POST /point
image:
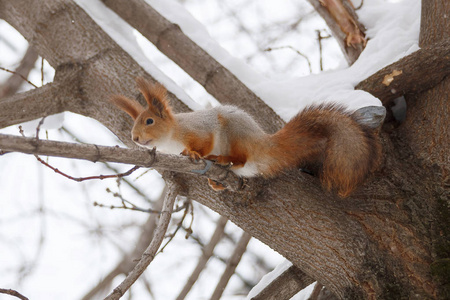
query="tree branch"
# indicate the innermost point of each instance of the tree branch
(344, 25)
(217, 80)
(285, 286)
(13, 293)
(150, 252)
(31, 105)
(412, 74)
(127, 263)
(94, 153)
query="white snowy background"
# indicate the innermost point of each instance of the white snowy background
(54, 244)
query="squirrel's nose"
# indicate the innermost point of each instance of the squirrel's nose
(136, 139)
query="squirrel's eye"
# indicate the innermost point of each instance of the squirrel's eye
(149, 121)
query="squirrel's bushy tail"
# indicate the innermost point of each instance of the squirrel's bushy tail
(329, 141)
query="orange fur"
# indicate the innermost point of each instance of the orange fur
(328, 141)
(133, 108)
(194, 143)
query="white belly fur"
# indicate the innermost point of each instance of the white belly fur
(250, 169)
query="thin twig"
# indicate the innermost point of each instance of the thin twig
(77, 179)
(80, 179)
(14, 82)
(42, 71)
(180, 224)
(293, 49)
(13, 293)
(149, 253)
(133, 206)
(319, 39)
(21, 76)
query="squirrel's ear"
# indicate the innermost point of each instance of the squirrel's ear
(131, 107)
(156, 97)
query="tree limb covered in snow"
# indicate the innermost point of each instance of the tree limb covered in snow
(412, 74)
(286, 285)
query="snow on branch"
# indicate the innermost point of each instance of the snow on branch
(414, 73)
(285, 286)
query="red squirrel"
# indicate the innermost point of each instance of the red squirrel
(323, 138)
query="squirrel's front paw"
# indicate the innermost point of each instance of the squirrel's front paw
(193, 155)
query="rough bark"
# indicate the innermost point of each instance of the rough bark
(426, 131)
(344, 25)
(379, 243)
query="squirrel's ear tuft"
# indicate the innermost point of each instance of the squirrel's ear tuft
(156, 97)
(131, 107)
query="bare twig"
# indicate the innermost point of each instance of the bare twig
(12, 85)
(231, 265)
(77, 179)
(150, 252)
(80, 179)
(186, 206)
(20, 75)
(293, 49)
(42, 71)
(13, 293)
(207, 253)
(126, 205)
(127, 263)
(360, 5)
(319, 39)
(143, 158)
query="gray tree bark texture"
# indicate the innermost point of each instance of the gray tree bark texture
(389, 240)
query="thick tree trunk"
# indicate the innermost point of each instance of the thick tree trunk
(378, 244)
